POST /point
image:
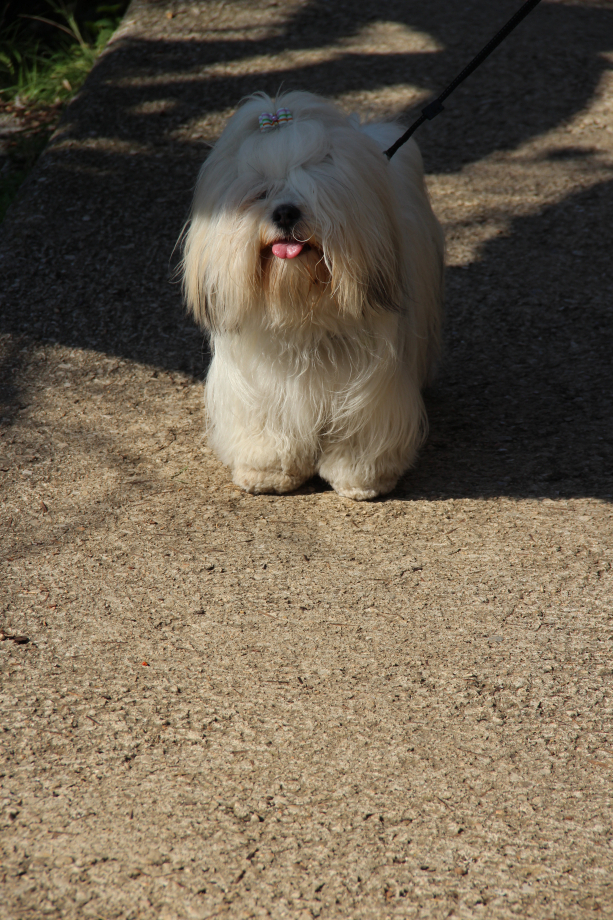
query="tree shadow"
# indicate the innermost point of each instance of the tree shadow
(524, 403)
(544, 73)
(538, 78)
(90, 266)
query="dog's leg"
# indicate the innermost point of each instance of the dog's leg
(259, 434)
(276, 480)
(378, 444)
(258, 461)
(350, 478)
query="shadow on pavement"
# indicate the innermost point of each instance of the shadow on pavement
(524, 402)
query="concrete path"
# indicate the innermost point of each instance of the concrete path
(295, 707)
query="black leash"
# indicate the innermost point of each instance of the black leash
(436, 107)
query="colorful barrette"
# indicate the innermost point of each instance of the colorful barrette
(269, 120)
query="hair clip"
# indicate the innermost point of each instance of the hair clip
(269, 120)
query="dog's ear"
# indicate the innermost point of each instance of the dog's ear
(199, 290)
(203, 313)
(193, 283)
(382, 291)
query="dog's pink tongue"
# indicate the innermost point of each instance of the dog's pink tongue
(287, 250)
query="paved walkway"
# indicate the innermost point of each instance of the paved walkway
(295, 707)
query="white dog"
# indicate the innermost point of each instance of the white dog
(316, 264)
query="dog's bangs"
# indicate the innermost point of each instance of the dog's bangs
(275, 153)
(245, 190)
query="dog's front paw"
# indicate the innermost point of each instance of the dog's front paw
(354, 492)
(362, 491)
(263, 481)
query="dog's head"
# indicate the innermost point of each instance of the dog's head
(293, 219)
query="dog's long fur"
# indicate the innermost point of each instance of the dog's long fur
(317, 360)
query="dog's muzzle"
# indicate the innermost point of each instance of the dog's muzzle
(286, 216)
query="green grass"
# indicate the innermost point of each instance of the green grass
(47, 48)
(49, 66)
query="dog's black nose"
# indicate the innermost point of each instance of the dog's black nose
(286, 216)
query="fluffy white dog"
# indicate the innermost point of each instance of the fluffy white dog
(316, 264)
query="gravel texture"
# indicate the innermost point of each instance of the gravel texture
(296, 707)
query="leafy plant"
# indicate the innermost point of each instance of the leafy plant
(47, 48)
(47, 65)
